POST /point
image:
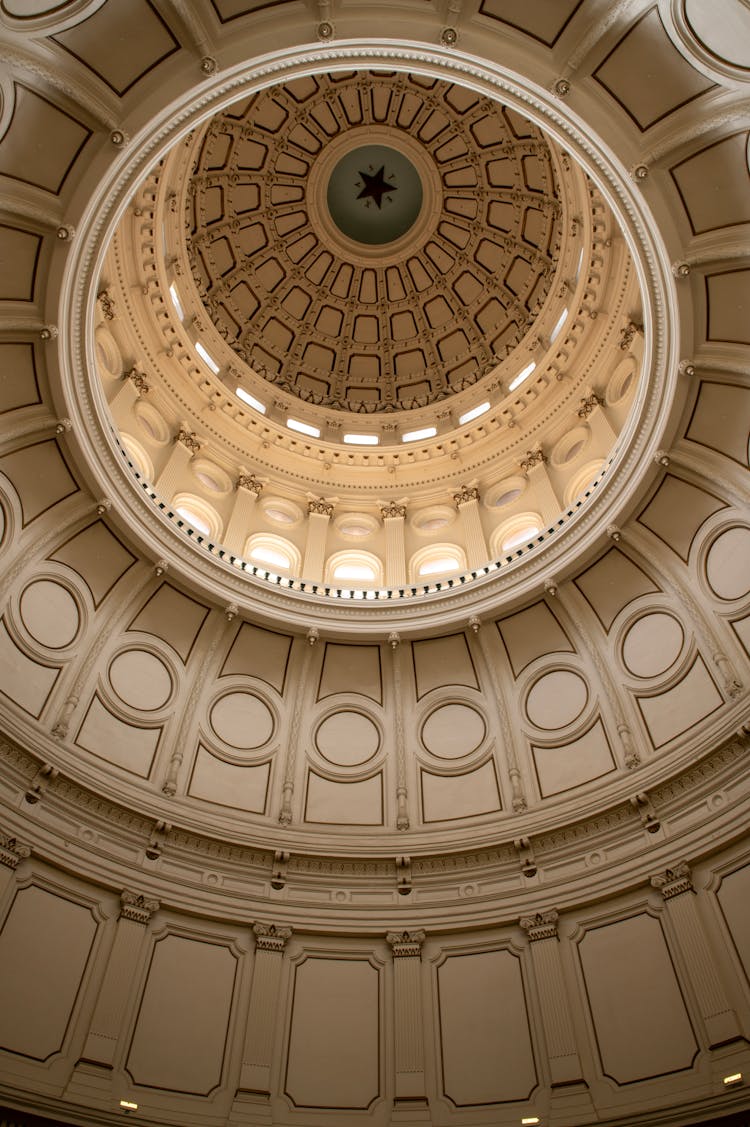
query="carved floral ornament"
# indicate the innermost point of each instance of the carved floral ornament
(541, 926)
(250, 482)
(322, 508)
(269, 937)
(136, 907)
(189, 439)
(533, 458)
(675, 881)
(406, 944)
(466, 494)
(12, 851)
(392, 511)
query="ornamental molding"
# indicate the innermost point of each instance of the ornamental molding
(393, 511)
(322, 508)
(136, 907)
(466, 494)
(250, 482)
(188, 438)
(533, 458)
(673, 882)
(269, 937)
(138, 380)
(589, 404)
(406, 944)
(12, 851)
(541, 926)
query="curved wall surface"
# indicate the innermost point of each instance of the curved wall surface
(473, 855)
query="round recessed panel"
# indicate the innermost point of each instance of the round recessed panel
(50, 614)
(726, 565)
(374, 194)
(556, 699)
(453, 731)
(652, 645)
(242, 720)
(347, 738)
(141, 680)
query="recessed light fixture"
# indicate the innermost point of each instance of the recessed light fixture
(361, 439)
(416, 435)
(303, 428)
(474, 413)
(530, 1119)
(128, 1105)
(250, 400)
(522, 376)
(206, 357)
(735, 1078)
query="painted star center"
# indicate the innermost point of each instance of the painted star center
(375, 186)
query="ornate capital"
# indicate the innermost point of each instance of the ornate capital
(627, 335)
(12, 851)
(406, 944)
(137, 908)
(323, 508)
(107, 304)
(269, 937)
(673, 882)
(466, 494)
(138, 380)
(392, 510)
(250, 482)
(188, 438)
(541, 926)
(588, 404)
(533, 458)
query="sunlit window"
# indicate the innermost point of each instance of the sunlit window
(206, 357)
(417, 435)
(474, 413)
(250, 400)
(524, 375)
(303, 428)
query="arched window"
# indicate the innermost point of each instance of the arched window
(437, 562)
(138, 456)
(354, 569)
(515, 533)
(273, 553)
(198, 513)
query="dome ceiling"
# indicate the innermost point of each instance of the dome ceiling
(372, 241)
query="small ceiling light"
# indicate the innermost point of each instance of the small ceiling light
(530, 1119)
(735, 1078)
(361, 439)
(250, 400)
(206, 357)
(474, 413)
(176, 301)
(522, 376)
(128, 1105)
(416, 435)
(303, 428)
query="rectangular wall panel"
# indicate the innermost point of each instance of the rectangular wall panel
(334, 1036)
(640, 1020)
(487, 1055)
(45, 945)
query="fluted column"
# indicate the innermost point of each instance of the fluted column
(467, 503)
(11, 852)
(319, 517)
(564, 1062)
(240, 522)
(534, 466)
(185, 446)
(676, 887)
(254, 1088)
(409, 1088)
(117, 986)
(395, 547)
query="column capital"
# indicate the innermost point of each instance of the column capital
(269, 937)
(137, 907)
(188, 438)
(541, 926)
(673, 882)
(250, 482)
(406, 944)
(533, 458)
(12, 851)
(321, 507)
(465, 494)
(392, 511)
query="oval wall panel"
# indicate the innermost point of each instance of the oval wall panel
(50, 614)
(556, 699)
(347, 738)
(453, 730)
(242, 720)
(141, 680)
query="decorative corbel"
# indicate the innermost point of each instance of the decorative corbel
(278, 871)
(44, 776)
(644, 808)
(403, 875)
(526, 858)
(157, 839)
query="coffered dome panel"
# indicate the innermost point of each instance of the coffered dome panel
(372, 241)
